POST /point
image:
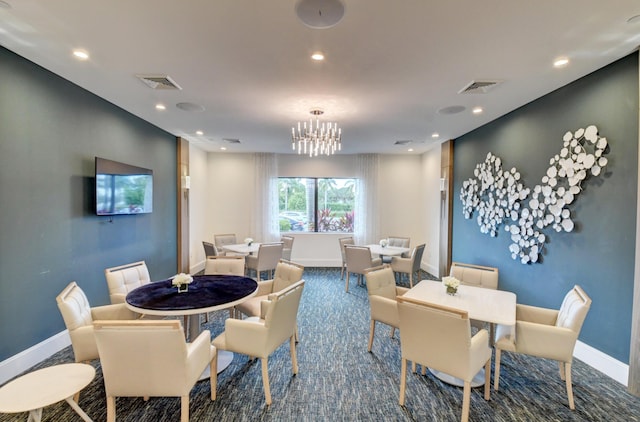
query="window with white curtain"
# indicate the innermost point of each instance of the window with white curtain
(316, 204)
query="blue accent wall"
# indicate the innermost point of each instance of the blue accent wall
(50, 132)
(599, 254)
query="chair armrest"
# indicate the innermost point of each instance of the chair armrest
(199, 354)
(110, 312)
(248, 337)
(536, 314)
(546, 341)
(401, 290)
(385, 310)
(479, 351)
(264, 288)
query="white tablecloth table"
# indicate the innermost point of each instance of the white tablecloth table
(242, 248)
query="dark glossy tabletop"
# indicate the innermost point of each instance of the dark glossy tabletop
(206, 293)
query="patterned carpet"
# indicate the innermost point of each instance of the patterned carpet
(340, 381)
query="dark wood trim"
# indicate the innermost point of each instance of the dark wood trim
(446, 206)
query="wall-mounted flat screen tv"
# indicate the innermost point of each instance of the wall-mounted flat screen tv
(122, 189)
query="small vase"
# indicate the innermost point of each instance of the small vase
(182, 288)
(452, 290)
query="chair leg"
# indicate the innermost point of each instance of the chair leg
(346, 289)
(466, 399)
(111, 409)
(561, 367)
(567, 375)
(342, 272)
(184, 408)
(496, 373)
(487, 379)
(411, 279)
(393, 331)
(403, 379)
(424, 370)
(294, 357)
(413, 366)
(372, 329)
(213, 376)
(265, 380)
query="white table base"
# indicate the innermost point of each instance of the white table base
(477, 381)
(224, 360)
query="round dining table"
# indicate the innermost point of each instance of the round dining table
(206, 293)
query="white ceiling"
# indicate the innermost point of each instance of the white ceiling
(389, 66)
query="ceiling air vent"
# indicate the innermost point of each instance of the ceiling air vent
(403, 142)
(479, 87)
(231, 140)
(158, 81)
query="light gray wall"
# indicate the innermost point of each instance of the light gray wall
(599, 254)
(50, 133)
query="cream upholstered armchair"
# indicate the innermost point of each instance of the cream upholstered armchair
(261, 336)
(440, 338)
(409, 266)
(224, 265)
(209, 249)
(546, 333)
(124, 278)
(287, 248)
(79, 316)
(382, 289)
(221, 240)
(268, 256)
(402, 242)
(286, 274)
(170, 370)
(343, 241)
(358, 260)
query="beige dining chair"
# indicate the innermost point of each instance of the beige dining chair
(287, 249)
(224, 265)
(440, 338)
(221, 240)
(409, 266)
(383, 305)
(78, 316)
(209, 249)
(260, 336)
(477, 276)
(152, 359)
(344, 241)
(124, 278)
(267, 258)
(546, 333)
(358, 260)
(398, 241)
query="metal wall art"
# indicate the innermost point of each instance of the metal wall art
(499, 196)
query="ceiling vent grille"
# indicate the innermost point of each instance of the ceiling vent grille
(158, 81)
(479, 87)
(403, 142)
(231, 140)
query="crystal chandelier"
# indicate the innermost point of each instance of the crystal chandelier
(316, 138)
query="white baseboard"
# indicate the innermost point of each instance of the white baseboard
(24, 360)
(602, 362)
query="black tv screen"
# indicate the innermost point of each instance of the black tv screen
(122, 189)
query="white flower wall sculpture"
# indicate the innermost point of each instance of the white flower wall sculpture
(498, 195)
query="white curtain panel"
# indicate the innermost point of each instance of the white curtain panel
(265, 223)
(366, 216)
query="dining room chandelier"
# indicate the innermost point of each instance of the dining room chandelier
(316, 138)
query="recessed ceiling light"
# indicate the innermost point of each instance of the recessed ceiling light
(410, 150)
(199, 132)
(435, 135)
(81, 54)
(160, 107)
(561, 62)
(223, 148)
(317, 56)
(477, 110)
